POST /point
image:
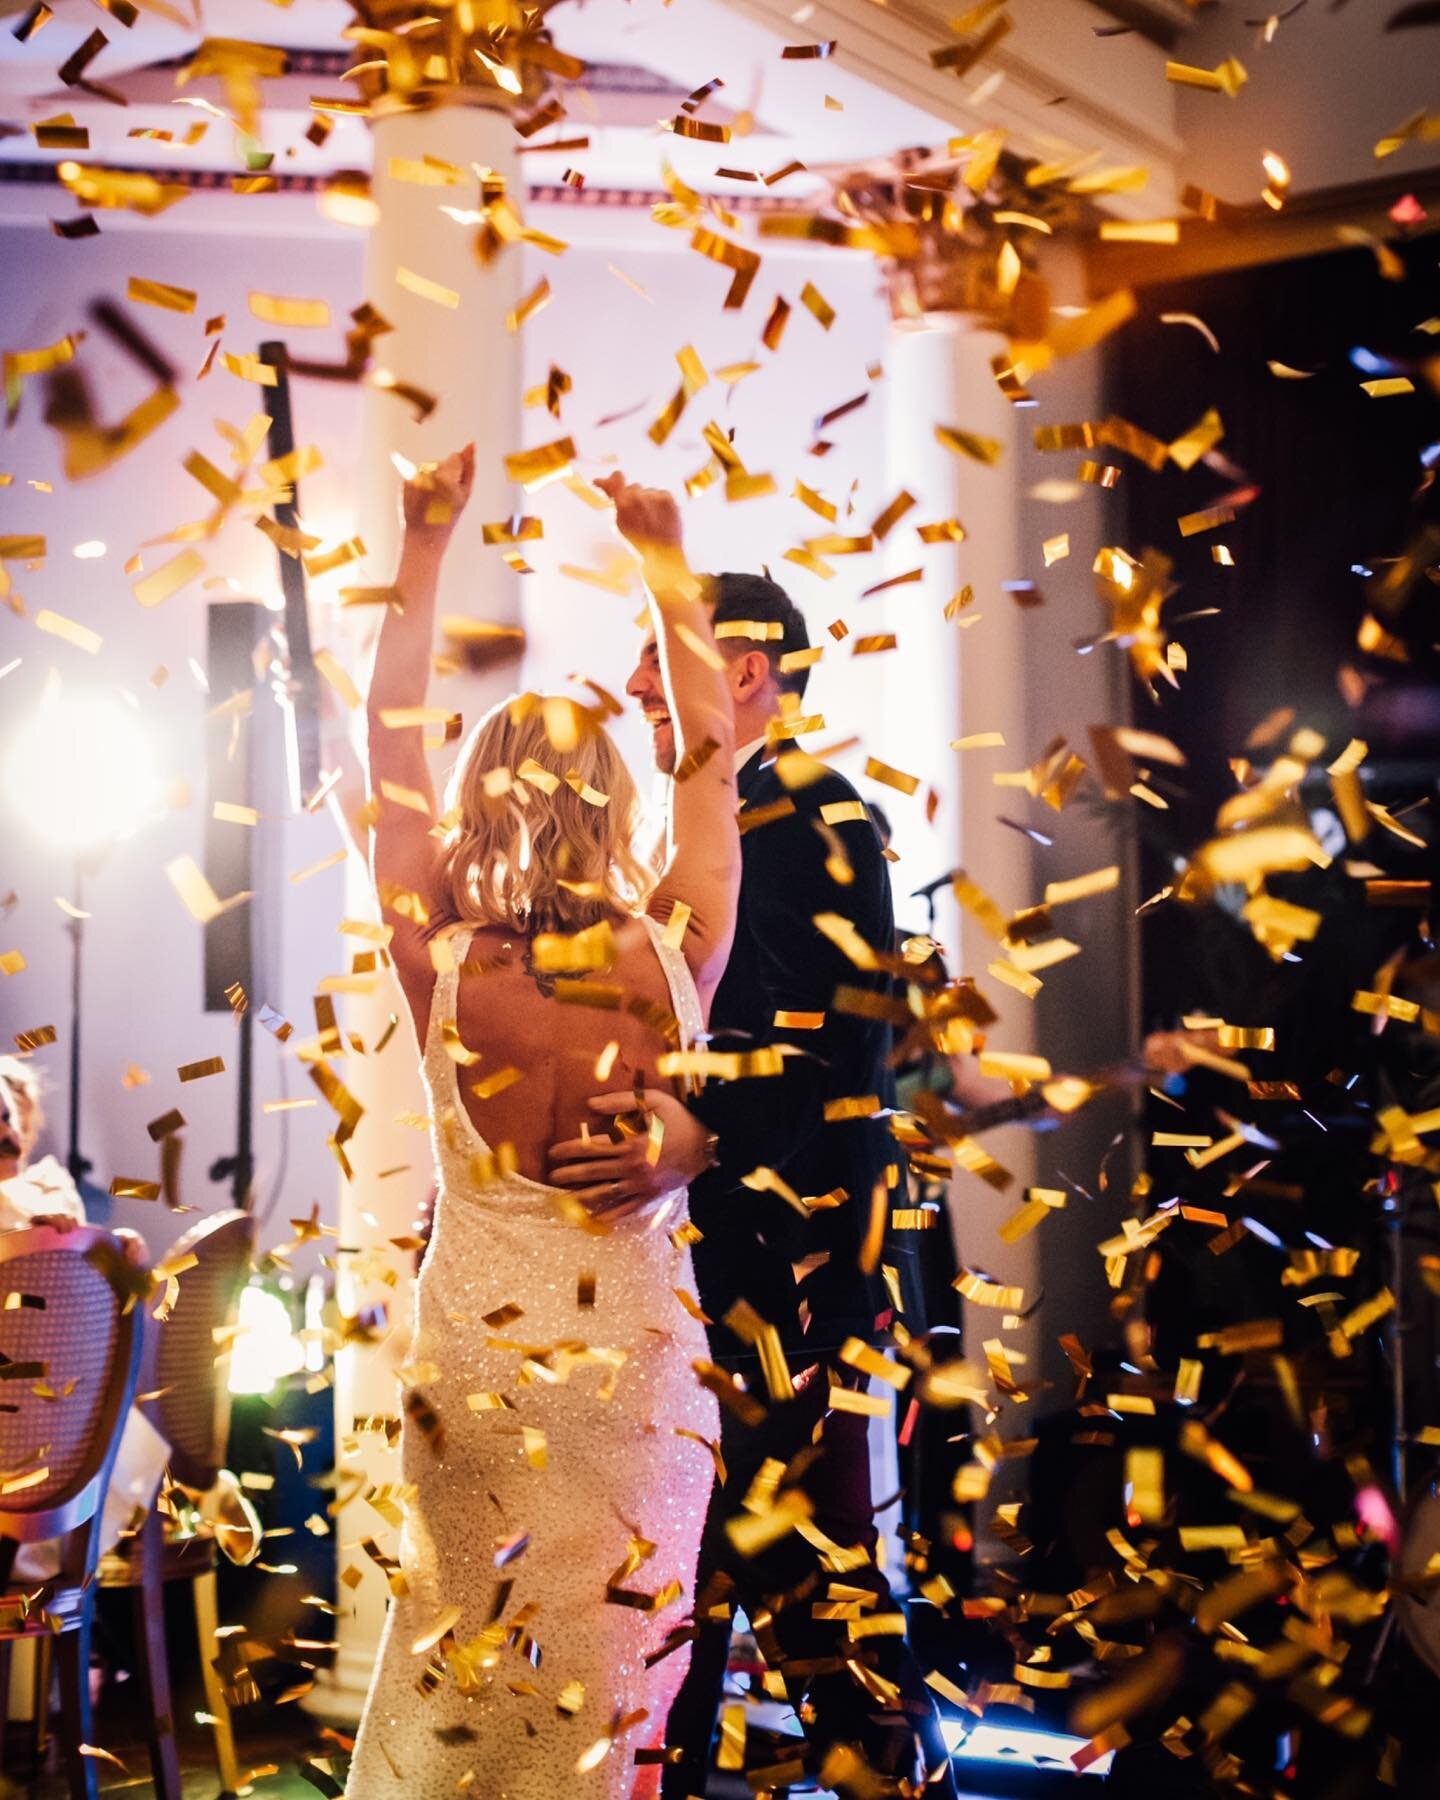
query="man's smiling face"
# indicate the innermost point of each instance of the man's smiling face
(646, 687)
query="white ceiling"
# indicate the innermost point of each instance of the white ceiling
(668, 50)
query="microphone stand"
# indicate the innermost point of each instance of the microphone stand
(76, 1162)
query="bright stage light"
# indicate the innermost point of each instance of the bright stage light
(80, 773)
(1018, 1746)
(266, 1348)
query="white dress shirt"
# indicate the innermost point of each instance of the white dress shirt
(746, 751)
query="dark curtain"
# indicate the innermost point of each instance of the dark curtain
(1339, 474)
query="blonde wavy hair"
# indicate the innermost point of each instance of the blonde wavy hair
(541, 817)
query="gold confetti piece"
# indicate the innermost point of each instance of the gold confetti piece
(533, 468)
(1014, 1065)
(851, 1400)
(332, 861)
(161, 294)
(1081, 887)
(859, 1355)
(125, 1187)
(857, 1106)
(454, 1048)
(539, 297)
(968, 443)
(21, 549)
(197, 1071)
(424, 288)
(34, 22)
(1202, 436)
(976, 1288)
(1055, 549)
(280, 309)
(875, 770)
(442, 1627)
(1387, 385)
(489, 1403)
(12, 962)
(1235, 1340)
(1227, 77)
(201, 900)
(168, 580)
(338, 678)
(742, 262)
(496, 1083)
(61, 133)
(815, 302)
(1140, 231)
(250, 368)
(79, 635)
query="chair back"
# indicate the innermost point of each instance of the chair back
(72, 1323)
(193, 1410)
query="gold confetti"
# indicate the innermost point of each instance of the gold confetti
(969, 443)
(815, 302)
(161, 294)
(197, 1071)
(250, 368)
(424, 288)
(1227, 77)
(278, 309)
(875, 770)
(533, 468)
(168, 580)
(66, 629)
(201, 900)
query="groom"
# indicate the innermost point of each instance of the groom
(809, 848)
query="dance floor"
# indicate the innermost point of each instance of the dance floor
(282, 1754)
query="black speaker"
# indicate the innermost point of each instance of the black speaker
(235, 759)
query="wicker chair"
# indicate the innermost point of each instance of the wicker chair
(193, 1412)
(71, 1323)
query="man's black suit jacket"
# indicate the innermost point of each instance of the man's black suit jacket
(780, 963)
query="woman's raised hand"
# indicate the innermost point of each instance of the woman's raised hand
(436, 495)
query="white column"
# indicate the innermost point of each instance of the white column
(464, 356)
(953, 678)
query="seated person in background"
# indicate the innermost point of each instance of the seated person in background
(41, 1193)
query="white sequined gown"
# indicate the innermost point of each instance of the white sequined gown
(584, 1460)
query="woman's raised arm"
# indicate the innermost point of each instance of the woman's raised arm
(402, 796)
(703, 872)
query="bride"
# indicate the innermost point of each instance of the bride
(559, 1464)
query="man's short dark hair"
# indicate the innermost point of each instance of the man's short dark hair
(736, 597)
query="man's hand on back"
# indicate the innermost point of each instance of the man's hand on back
(612, 1179)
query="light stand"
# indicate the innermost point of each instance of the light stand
(78, 1165)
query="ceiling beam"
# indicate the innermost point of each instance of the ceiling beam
(1251, 236)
